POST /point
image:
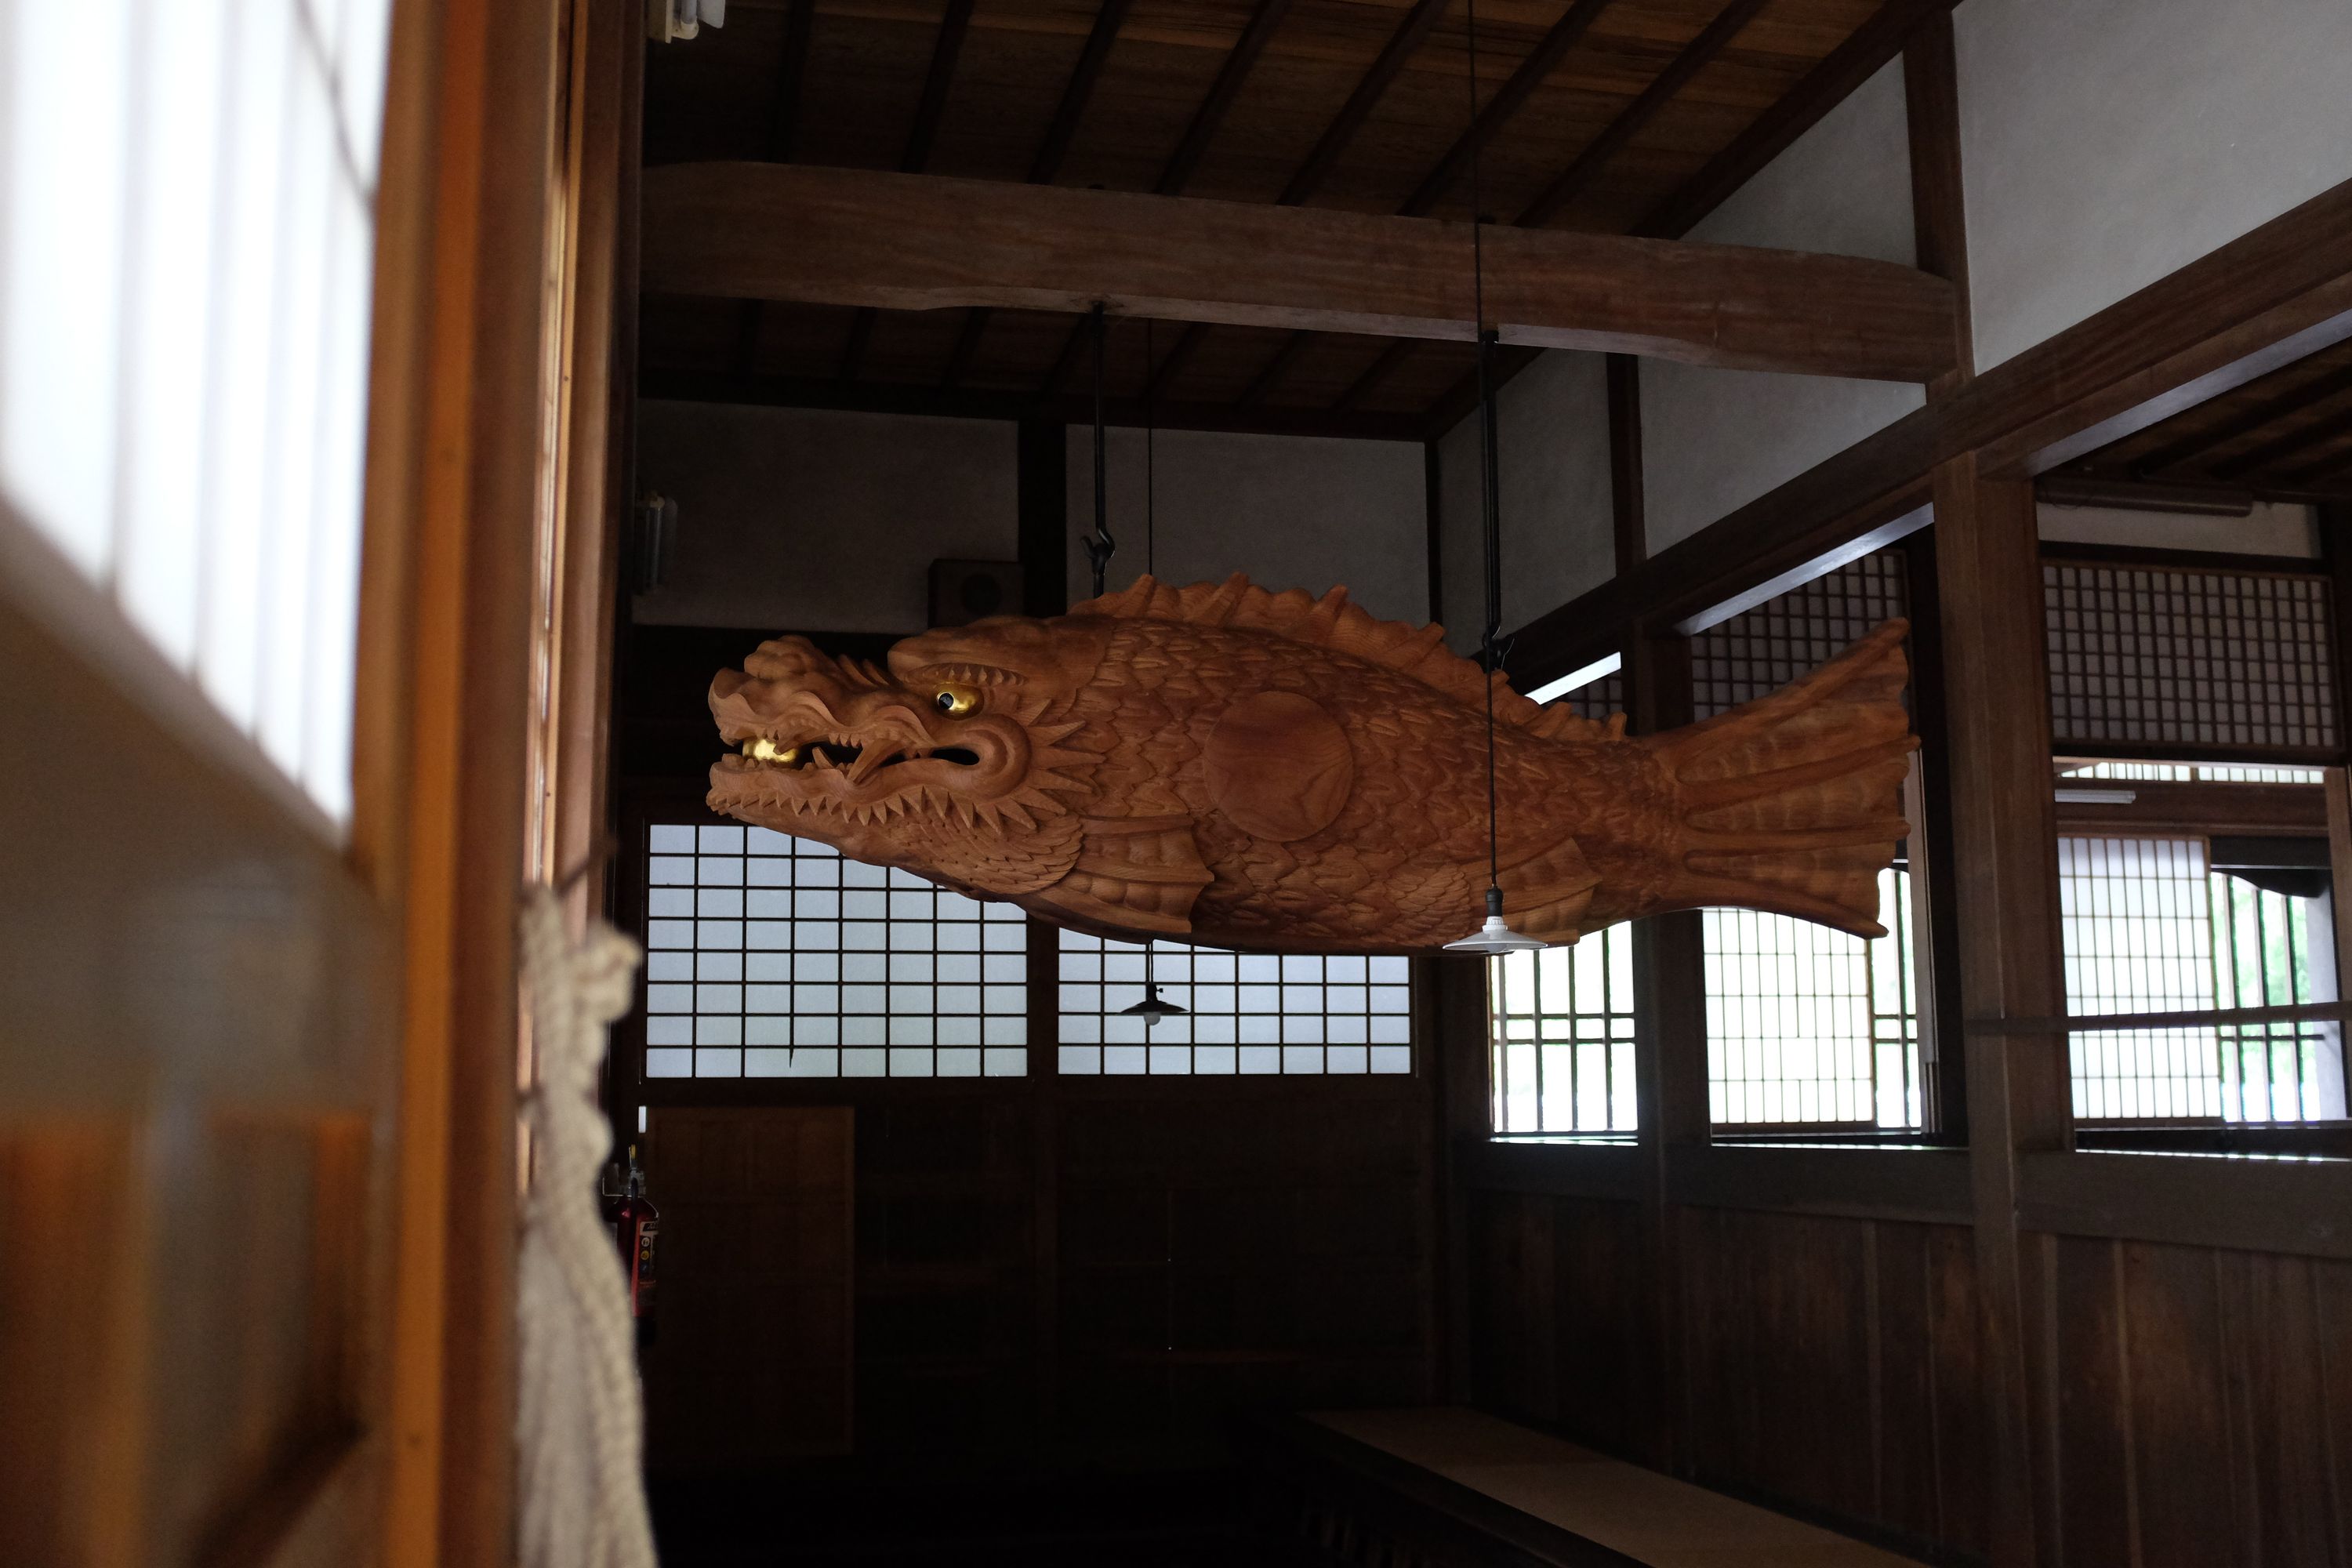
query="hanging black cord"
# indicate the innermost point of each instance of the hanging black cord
(1150, 553)
(1101, 545)
(1490, 511)
(1150, 530)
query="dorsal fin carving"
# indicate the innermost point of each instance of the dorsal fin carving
(1335, 622)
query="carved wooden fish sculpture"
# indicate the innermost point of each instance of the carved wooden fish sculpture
(1280, 772)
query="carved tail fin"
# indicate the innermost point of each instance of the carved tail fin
(1793, 802)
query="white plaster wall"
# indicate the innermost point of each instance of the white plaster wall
(1292, 512)
(1461, 561)
(2274, 529)
(2105, 143)
(1558, 539)
(1713, 440)
(816, 521)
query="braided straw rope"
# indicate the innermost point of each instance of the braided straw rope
(580, 1422)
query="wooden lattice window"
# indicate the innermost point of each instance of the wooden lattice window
(2150, 927)
(770, 956)
(2164, 658)
(1563, 1032)
(1244, 1013)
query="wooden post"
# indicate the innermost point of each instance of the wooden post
(1940, 243)
(1432, 511)
(2004, 890)
(1938, 208)
(1455, 1032)
(1628, 517)
(1942, 1033)
(1669, 1066)
(1669, 958)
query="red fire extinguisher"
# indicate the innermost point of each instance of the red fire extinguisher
(636, 1225)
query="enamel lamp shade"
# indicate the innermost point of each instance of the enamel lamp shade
(1152, 1008)
(1494, 937)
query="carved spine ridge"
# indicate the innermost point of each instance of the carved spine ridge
(1337, 623)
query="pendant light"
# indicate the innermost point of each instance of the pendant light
(1494, 936)
(1154, 1007)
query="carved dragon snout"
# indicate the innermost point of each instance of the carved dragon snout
(817, 734)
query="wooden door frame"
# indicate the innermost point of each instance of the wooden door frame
(499, 233)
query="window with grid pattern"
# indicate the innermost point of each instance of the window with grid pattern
(1244, 1012)
(1560, 1022)
(1761, 650)
(2190, 772)
(2150, 928)
(1598, 698)
(1562, 1032)
(2171, 655)
(1806, 1026)
(770, 956)
(187, 195)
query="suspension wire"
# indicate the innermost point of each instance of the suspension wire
(1150, 531)
(1101, 545)
(1150, 553)
(1490, 512)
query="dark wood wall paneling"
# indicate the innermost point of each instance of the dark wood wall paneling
(1055, 1276)
(2202, 1397)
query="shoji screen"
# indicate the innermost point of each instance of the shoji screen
(186, 241)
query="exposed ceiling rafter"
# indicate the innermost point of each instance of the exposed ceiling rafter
(918, 242)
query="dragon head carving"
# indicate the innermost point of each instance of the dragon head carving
(949, 763)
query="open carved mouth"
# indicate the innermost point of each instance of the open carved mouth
(849, 756)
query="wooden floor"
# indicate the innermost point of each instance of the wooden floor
(1647, 1516)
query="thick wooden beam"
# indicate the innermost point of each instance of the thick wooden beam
(2275, 295)
(2246, 1203)
(1177, 172)
(1908, 1183)
(1076, 93)
(783, 141)
(1822, 89)
(928, 112)
(878, 397)
(1401, 45)
(912, 242)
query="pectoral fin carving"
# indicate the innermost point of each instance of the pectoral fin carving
(1136, 873)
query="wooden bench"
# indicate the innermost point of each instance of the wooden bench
(1541, 1500)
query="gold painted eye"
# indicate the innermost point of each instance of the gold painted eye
(956, 700)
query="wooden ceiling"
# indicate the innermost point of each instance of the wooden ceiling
(1616, 115)
(2285, 436)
